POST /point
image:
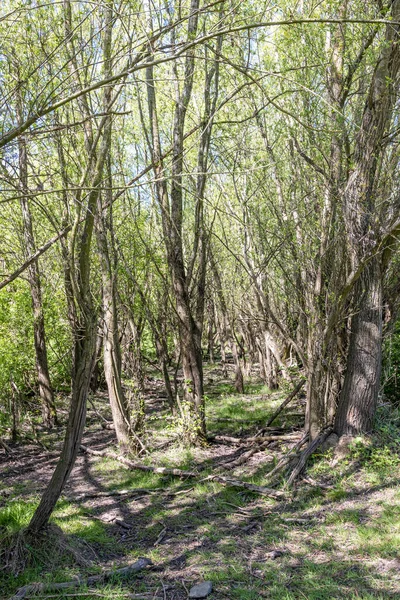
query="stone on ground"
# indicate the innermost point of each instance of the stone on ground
(201, 590)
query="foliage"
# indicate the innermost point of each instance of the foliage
(391, 366)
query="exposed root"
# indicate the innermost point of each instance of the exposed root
(5, 447)
(18, 550)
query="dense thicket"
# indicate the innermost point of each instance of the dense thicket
(187, 181)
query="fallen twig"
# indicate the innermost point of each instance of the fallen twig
(318, 484)
(34, 588)
(106, 494)
(285, 460)
(161, 536)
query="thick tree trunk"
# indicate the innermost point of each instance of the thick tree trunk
(359, 395)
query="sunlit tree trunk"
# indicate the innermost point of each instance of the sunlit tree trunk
(84, 332)
(359, 396)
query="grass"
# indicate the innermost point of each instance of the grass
(344, 545)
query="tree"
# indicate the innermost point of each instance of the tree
(359, 396)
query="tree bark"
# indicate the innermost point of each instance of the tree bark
(111, 344)
(359, 396)
(84, 353)
(84, 332)
(190, 320)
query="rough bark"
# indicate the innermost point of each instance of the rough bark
(111, 341)
(359, 396)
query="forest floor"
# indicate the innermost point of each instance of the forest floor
(336, 535)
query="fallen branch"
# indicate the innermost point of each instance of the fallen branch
(241, 459)
(292, 395)
(285, 460)
(165, 444)
(305, 455)
(264, 491)
(5, 446)
(110, 493)
(254, 440)
(180, 473)
(317, 484)
(34, 588)
(141, 467)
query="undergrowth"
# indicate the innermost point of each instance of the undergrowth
(336, 537)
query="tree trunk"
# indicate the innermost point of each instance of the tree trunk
(190, 321)
(49, 414)
(85, 327)
(96, 374)
(359, 395)
(192, 365)
(162, 356)
(84, 352)
(111, 348)
(239, 380)
(111, 344)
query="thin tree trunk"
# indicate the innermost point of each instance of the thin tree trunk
(111, 345)
(49, 414)
(84, 353)
(190, 322)
(96, 374)
(227, 335)
(84, 336)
